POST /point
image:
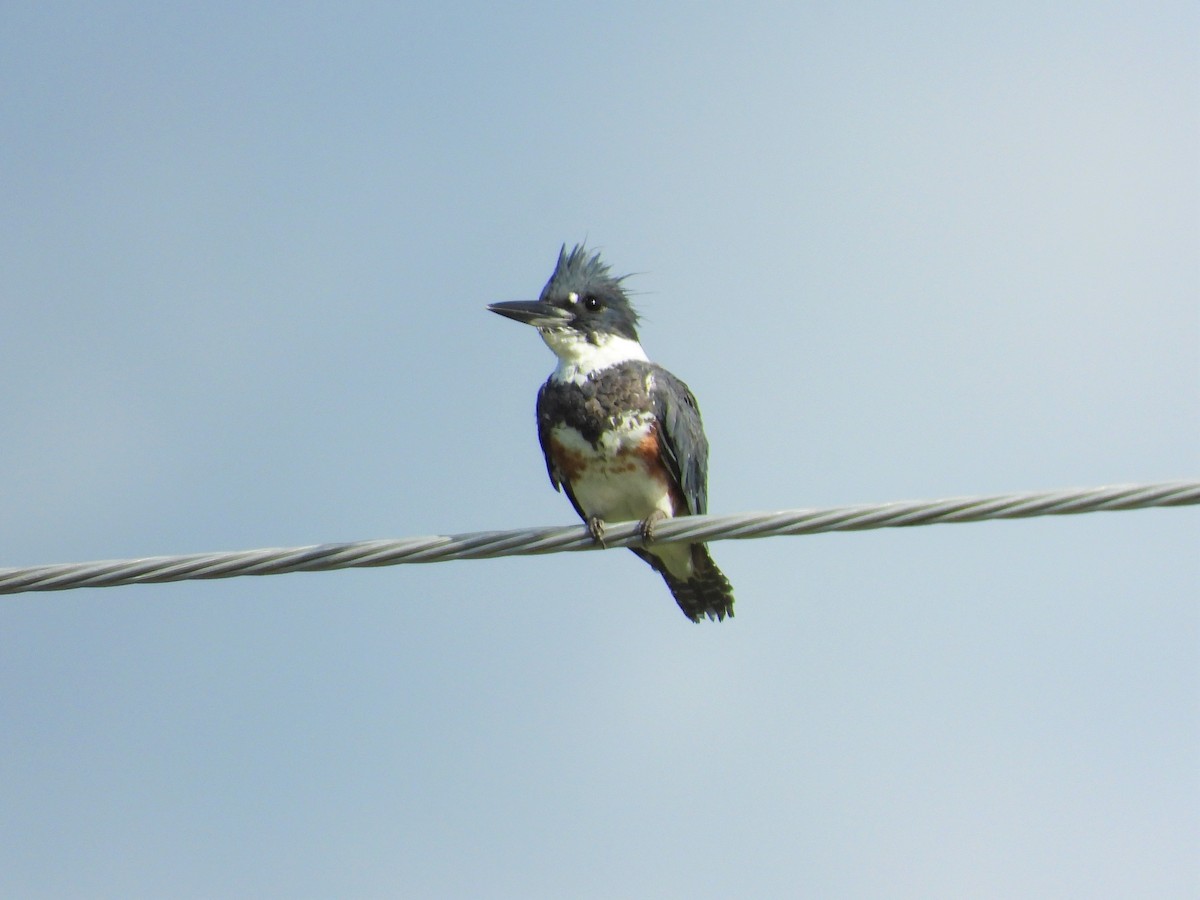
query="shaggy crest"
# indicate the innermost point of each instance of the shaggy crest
(582, 273)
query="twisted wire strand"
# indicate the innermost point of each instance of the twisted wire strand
(690, 529)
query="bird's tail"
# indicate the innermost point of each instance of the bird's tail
(707, 593)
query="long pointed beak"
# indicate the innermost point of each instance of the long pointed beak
(537, 313)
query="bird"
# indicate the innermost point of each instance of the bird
(621, 435)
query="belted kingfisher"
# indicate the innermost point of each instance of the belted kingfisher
(622, 435)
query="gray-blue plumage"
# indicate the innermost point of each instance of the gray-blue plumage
(621, 435)
(586, 274)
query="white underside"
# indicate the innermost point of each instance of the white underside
(618, 488)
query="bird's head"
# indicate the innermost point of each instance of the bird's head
(583, 313)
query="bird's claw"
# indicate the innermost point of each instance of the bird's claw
(595, 527)
(649, 525)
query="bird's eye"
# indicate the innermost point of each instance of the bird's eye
(591, 302)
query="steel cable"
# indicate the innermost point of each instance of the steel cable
(690, 529)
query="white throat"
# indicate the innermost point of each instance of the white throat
(579, 358)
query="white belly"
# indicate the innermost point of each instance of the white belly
(621, 492)
(612, 481)
(615, 484)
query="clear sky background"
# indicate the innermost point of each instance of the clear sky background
(898, 251)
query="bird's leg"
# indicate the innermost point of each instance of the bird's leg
(595, 527)
(648, 524)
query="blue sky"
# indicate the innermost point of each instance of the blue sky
(897, 251)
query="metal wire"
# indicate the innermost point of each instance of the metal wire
(690, 529)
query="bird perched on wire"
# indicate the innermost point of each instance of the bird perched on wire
(621, 435)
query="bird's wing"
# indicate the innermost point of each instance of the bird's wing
(543, 425)
(682, 444)
(556, 477)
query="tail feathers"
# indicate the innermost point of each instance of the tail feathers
(707, 593)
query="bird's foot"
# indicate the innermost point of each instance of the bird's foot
(649, 524)
(595, 527)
